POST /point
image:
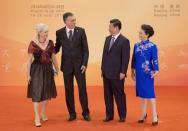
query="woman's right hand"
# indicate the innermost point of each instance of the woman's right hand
(133, 75)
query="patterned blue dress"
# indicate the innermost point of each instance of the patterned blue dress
(145, 63)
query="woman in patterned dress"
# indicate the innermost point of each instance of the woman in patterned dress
(41, 84)
(144, 69)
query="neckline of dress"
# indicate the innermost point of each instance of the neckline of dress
(144, 42)
(40, 47)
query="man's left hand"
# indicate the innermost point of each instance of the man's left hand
(122, 76)
(83, 69)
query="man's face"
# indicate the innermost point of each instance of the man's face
(113, 30)
(70, 22)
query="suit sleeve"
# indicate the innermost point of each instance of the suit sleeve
(58, 43)
(125, 57)
(103, 53)
(85, 49)
(133, 59)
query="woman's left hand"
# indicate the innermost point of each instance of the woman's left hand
(154, 74)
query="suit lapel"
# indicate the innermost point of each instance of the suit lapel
(115, 43)
(65, 33)
(107, 44)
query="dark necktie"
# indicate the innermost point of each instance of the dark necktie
(111, 42)
(70, 35)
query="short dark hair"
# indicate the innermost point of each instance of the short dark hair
(66, 15)
(148, 30)
(116, 23)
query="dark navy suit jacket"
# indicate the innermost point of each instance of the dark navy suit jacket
(115, 60)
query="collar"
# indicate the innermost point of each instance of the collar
(68, 29)
(116, 36)
(144, 41)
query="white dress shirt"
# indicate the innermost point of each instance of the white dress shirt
(67, 31)
(116, 36)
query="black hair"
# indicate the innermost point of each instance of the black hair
(116, 23)
(148, 30)
(66, 15)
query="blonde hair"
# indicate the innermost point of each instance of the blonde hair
(41, 27)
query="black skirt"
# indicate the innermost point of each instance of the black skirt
(42, 85)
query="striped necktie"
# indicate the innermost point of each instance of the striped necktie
(111, 42)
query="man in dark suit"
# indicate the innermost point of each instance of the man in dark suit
(115, 61)
(73, 42)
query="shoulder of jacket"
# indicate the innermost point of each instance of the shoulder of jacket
(79, 28)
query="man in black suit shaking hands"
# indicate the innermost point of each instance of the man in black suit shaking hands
(115, 61)
(73, 42)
